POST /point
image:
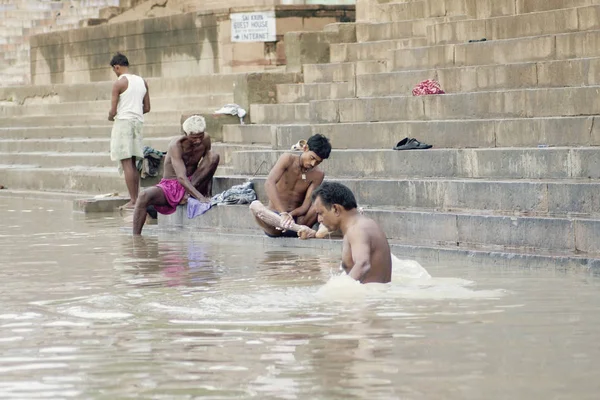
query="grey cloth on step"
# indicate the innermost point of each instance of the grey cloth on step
(238, 194)
(150, 164)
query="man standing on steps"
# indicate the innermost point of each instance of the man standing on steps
(130, 101)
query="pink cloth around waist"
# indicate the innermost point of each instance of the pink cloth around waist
(174, 193)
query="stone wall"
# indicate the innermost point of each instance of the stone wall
(194, 43)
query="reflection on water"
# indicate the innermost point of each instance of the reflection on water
(88, 312)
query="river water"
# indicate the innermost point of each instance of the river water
(87, 312)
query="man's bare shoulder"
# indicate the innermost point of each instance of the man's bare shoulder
(175, 143)
(364, 227)
(286, 158)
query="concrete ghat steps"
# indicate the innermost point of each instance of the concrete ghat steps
(304, 92)
(59, 154)
(342, 72)
(347, 52)
(82, 131)
(159, 87)
(500, 163)
(500, 197)
(76, 179)
(279, 113)
(543, 74)
(529, 6)
(498, 52)
(564, 236)
(102, 106)
(471, 133)
(514, 26)
(527, 103)
(370, 32)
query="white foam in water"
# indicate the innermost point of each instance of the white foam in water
(409, 281)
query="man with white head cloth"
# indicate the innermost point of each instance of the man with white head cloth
(188, 171)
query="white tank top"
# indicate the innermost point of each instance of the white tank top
(131, 101)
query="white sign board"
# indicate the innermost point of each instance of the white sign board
(253, 27)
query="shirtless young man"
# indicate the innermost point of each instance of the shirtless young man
(366, 253)
(188, 171)
(289, 187)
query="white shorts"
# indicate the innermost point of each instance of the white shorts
(126, 139)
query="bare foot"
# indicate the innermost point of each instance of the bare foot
(306, 233)
(322, 232)
(185, 198)
(127, 206)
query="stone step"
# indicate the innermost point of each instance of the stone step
(477, 133)
(558, 235)
(74, 179)
(342, 72)
(159, 87)
(499, 52)
(98, 154)
(295, 113)
(526, 103)
(530, 6)
(398, 11)
(154, 117)
(379, 50)
(101, 107)
(83, 131)
(515, 26)
(497, 163)
(512, 197)
(370, 32)
(563, 73)
(80, 145)
(304, 92)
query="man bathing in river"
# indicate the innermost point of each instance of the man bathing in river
(365, 253)
(289, 187)
(188, 171)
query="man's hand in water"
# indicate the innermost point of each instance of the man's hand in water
(286, 220)
(306, 233)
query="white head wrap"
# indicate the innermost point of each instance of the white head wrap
(194, 124)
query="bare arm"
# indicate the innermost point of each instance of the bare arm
(180, 171)
(147, 99)
(303, 209)
(274, 176)
(361, 254)
(118, 87)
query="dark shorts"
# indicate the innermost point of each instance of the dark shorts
(284, 234)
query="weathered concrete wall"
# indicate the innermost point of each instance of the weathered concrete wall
(172, 46)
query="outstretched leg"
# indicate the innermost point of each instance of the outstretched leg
(310, 219)
(153, 196)
(270, 221)
(202, 177)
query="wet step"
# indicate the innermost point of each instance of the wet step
(500, 233)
